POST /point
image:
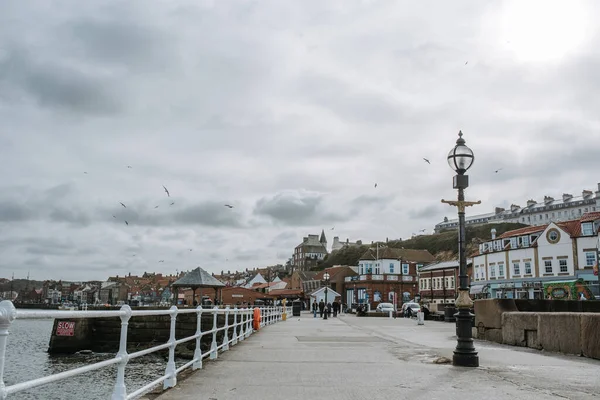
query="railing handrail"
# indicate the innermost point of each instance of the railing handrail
(242, 328)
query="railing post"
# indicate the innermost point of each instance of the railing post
(120, 391)
(242, 333)
(8, 313)
(249, 322)
(171, 370)
(234, 339)
(213, 346)
(198, 352)
(226, 330)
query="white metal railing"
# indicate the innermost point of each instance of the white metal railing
(242, 329)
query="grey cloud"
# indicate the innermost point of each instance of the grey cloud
(290, 207)
(427, 212)
(71, 216)
(121, 41)
(58, 86)
(12, 211)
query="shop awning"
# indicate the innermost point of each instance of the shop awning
(477, 289)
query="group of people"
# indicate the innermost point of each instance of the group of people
(321, 308)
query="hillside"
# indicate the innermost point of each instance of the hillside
(20, 284)
(442, 245)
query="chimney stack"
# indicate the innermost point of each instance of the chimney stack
(548, 199)
(531, 203)
(567, 196)
(498, 210)
(586, 193)
(514, 207)
(493, 233)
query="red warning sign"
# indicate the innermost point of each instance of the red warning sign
(65, 328)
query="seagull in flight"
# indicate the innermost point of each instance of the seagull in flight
(84, 172)
(167, 191)
(333, 228)
(228, 205)
(499, 169)
(426, 160)
(114, 216)
(161, 261)
(129, 166)
(466, 63)
(156, 207)
(422, 230)
(126, 223)
(123, 205)
(172, 203)
(376, 185)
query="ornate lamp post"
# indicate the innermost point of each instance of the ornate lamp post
(460, 160)
(326, 277)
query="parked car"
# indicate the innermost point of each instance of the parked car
(385, 307)
(410, 309)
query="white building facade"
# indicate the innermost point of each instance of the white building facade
(565, 208)
(517, 263)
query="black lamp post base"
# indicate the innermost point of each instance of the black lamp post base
(465, 354)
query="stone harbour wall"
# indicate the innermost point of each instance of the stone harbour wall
(102, 335)
(564, 332)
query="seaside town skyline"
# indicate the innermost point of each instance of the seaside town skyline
(297, 127)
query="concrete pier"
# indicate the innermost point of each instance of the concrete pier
(381, 358)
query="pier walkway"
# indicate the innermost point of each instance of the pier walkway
(380, 358)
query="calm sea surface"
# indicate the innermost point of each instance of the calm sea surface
(27, 359)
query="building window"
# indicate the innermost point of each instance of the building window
(405, 269)
(563, 265)
(391, 268)
(527, 268)
(525, 241)
(377, 270)
(587, 229)
(513, 243)
(516, 268)
(492, 271)
(501, 270)
(548, 266)
(590, 259)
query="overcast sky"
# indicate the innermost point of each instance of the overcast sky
(290, 111)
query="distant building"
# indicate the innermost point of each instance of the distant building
(337, 245)
(308, 253)
(566, 208)
(386, 274)
(438, 282)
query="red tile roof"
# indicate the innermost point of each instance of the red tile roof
(590, 217)
(333, 271)
(523, 231)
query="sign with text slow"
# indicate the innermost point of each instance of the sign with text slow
(65, 328)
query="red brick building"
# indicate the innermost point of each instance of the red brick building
(337, 278)
(386, 275)
(438, 283)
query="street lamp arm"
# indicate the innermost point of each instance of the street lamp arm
(461, 204)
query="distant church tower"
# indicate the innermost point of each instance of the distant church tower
(323, 240)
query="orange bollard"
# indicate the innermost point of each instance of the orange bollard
(256, 319)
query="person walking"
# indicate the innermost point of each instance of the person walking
(336, 308)
(321, 308)
(315, 307)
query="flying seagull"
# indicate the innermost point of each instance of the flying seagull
(114, 216)
(375, 185)
(167, 191)
(499, 169)
(426, 160)
(466, 63)
(156, 207)
(333, 228)
(123, 205)
(172, 203)
(126, 223)
(190, 249)
(161, 261)
(129, 166)
(85, 172)
(227, 205)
